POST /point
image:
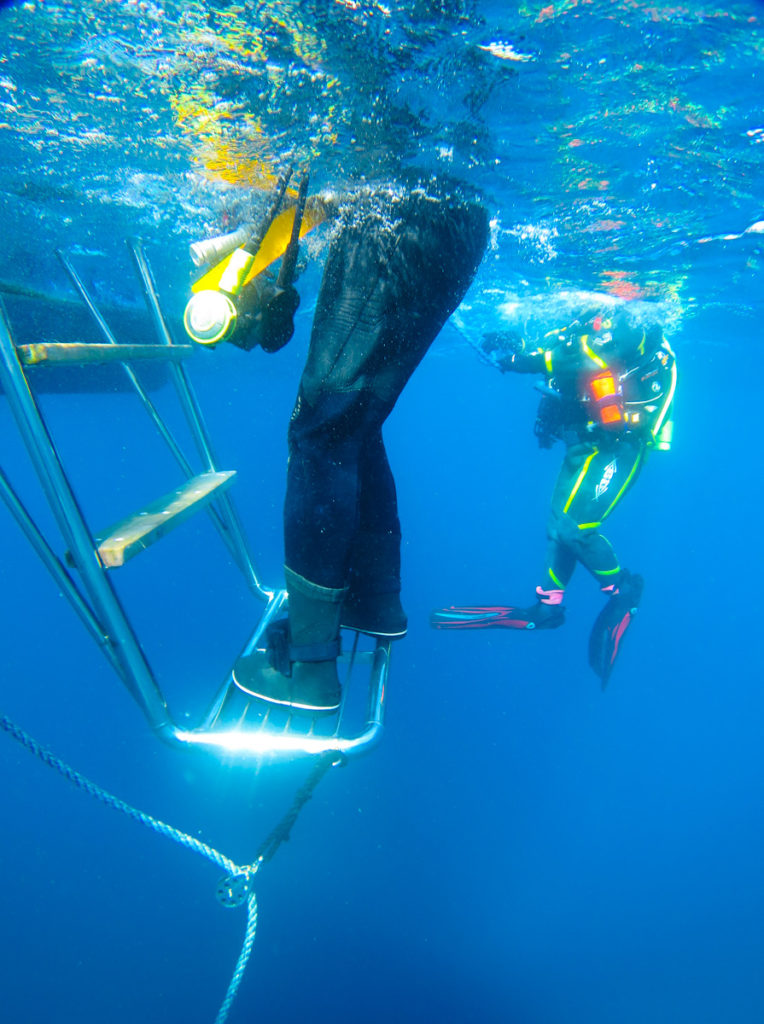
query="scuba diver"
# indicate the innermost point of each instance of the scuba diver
(399, 263)
(609, 384)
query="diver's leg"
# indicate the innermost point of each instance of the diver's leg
(298, 667)
(372, 604)
(606, 476)
(611, 472)
(590, 484)
(393, 276)
(559, 566)
(388, 287)
(326, 441)
(397, 269)
(561, 554)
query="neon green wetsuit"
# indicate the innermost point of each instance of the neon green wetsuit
(610, 389)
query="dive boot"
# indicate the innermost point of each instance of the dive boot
(372, 603)
(379, 615)
(298, 667)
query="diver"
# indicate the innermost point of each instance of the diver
(399, 263)
(608, 390)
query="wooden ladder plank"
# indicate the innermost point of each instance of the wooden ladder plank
(81, 354)
(134, 534)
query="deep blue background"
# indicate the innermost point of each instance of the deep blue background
(521, 848)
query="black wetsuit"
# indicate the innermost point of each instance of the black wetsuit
(398, 266)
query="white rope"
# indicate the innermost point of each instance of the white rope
(241, 964)
(235, 888)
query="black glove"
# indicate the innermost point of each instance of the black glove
(501, 347)
(270, 323)
(506, 349)
(527, 362)
(277, 319)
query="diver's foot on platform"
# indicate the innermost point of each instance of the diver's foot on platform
(313, 687)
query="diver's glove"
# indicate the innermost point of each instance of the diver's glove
(270, 324)
(526, 362)
(277, 319)
(505, 349)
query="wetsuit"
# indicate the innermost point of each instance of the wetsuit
(608, 395)
(610, 391)
(398, 265)
(397, 268)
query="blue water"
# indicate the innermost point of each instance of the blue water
(521, 848)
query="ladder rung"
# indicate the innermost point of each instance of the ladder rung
(81, 354)
(133, 535)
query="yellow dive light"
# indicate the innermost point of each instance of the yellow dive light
(211, 314)
(210, 317)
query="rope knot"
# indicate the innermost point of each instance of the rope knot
(234, 889)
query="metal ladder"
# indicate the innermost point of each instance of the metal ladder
(236, 725)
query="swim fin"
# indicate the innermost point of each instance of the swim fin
(611, 624)
(538, 616)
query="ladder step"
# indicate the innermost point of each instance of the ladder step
(131, 536)
(81, 354)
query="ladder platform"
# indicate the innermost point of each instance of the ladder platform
(239, 725)
(134, 534)
(83, 354)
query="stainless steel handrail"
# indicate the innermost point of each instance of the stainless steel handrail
(106, 621)
(136, 673)
(193, 413)
(56, 568)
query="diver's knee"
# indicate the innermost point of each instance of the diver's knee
(561, 529)
(574, 535)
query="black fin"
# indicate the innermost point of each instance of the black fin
(538, 616)
(611, 624)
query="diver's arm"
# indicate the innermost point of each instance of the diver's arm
(529, 362)
(506, 350)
